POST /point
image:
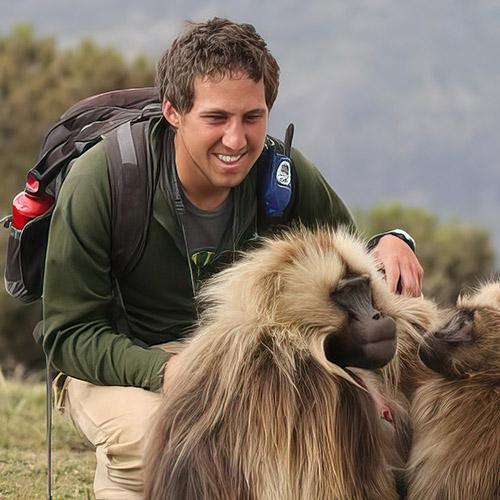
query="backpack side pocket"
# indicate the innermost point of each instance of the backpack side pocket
(26, 258)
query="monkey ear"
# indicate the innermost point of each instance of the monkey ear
(170, 113)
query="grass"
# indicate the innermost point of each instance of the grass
(23, 448)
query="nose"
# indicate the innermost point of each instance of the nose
(234, 137)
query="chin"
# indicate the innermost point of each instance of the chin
(230, 180)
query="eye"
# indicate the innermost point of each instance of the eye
(459, 329)
(351, 282)
(215, 118)
(252, 118)
(353, 294)
(468, 317)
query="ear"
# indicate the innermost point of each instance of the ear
(170, 114)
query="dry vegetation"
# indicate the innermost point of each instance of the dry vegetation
(23, 451)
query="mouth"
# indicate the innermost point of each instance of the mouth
(378, 353)
(363, 344)
(229, 159)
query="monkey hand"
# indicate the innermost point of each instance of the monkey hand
(403, 272)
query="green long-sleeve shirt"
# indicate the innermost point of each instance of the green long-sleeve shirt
(157, 294)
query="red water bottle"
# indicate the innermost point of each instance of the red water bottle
(26, 206)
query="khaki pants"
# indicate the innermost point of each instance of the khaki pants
(116, 421)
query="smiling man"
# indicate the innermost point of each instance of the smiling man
(217, 85)
(218, 141)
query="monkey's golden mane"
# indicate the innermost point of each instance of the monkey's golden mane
(257, 411)
(456, 445)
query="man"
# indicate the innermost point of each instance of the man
(217, 83)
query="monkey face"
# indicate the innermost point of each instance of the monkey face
(316, 291)
(329, 289)
(469, 340)
(449, 342)
(368, 338)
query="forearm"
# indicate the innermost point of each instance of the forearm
(77, 298)
(96, 353)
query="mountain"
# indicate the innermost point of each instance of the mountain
(392, 100)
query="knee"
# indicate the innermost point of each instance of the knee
(124, 447)
(117, 477)
(120, 462)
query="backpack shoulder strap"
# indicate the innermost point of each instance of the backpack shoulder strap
(132, 185)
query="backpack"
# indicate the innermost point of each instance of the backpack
(120, 117)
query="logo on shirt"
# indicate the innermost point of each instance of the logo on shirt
(283, 173)
(202, 258)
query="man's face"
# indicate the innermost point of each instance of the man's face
(220, 138)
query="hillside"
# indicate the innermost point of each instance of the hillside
(392, 100)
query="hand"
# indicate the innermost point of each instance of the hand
(403, 272)
(170, 370)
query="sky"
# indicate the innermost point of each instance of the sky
(391, 100)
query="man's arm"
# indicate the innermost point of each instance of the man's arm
(78, 335)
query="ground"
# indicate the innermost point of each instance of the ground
(23, 449)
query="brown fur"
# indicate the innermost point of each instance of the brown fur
(415, 316)
(258, 412)
(456, 449)
(398, 380)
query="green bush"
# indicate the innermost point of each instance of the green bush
(38, 81)
(454, 256)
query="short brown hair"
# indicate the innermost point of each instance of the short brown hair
(215, 48)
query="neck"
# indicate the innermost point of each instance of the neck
(204, 200)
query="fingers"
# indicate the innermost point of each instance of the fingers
(403, 272)
(392, 273)
(411, 275)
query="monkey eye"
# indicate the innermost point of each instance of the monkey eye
(468, 315)
(468, 318)
(460, 328)
(353, 294)
(351, 283)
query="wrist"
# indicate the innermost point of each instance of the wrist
(398, 233)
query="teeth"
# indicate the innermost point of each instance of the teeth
(229, 159)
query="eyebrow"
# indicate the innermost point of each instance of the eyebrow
(216, 111)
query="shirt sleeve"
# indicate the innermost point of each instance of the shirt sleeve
(315, 202)
(79, 338)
